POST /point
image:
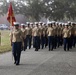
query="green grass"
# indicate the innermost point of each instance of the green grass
(5, 41)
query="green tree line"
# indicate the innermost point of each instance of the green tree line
(35, 9)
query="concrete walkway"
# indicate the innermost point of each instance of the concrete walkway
(43, 62)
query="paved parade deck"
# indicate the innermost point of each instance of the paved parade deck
(43, 62)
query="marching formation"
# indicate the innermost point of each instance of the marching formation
(42, 35)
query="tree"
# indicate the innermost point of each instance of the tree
(57, 10)
(3, 7)
(35, 9)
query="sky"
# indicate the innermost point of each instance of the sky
(9, 0)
